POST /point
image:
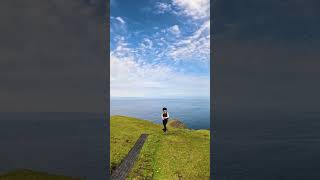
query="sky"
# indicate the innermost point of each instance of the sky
(160, 48)
(52, 56)
(266, 52)
(267, 55)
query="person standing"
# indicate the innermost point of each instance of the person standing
(165, 118)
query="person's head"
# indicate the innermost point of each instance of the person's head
(164, 109)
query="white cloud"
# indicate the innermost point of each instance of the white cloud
(163, 7)
(117, 25)
(120, 20)
(129, 78)
(197, 9)
(135, 74)
(134, 77)
(195, 46)
(174, 30)
(146, 43)
(121, 46)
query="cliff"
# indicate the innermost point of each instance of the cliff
(180, 154)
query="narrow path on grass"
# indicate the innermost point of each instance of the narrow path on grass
(124, 168)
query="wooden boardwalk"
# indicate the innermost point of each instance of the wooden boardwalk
(127, 163)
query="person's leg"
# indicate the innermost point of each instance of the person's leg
(165, 124)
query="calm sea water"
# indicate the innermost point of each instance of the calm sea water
(267, 145)
(71, 144)
(195, 113)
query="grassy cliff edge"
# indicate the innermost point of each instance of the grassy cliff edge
(180, 154)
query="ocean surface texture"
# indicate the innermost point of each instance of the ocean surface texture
(195, 113)
(267, 145)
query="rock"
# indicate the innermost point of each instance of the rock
(176, 124)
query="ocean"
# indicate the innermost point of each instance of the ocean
(267, 145)
(73, 144)
(193, 112)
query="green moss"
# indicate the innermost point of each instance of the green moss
(180, 154)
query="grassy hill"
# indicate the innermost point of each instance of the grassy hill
(180, 154)
(33, 175)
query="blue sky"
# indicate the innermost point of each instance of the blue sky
(160, 48)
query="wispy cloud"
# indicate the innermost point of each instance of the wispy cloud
(162, 7)
(118, 27)
(146, 43)
(174, 30)
(120, 20)
(132, 79)
(147, 64)
(197, 9)
(195, 46)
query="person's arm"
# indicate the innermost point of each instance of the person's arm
(168, 115)
(162, 116)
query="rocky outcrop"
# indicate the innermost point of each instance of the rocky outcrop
(176, 124)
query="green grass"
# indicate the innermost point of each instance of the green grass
(180, 154)
(33, 175)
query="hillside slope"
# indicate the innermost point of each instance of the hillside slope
(180, 154)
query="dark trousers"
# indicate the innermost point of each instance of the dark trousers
(165, 121)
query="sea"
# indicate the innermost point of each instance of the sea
(62, 143)
(267, 144)
(193, 112)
